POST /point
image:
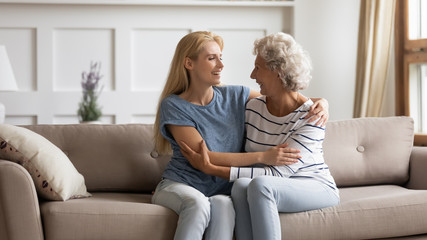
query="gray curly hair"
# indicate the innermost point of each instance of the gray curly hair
(287, 57)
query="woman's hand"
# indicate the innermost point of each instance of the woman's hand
(199, 160)
(319, 111)
(280, 155)
(275, 156)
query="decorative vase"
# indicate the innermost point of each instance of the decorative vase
(91, 122)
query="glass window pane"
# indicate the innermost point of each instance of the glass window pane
(417, 19)
(418, 96)
(423, 20)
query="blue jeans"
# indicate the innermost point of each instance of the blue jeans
(212, 216)
(258, 202)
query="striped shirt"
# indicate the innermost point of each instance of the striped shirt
(264, 130)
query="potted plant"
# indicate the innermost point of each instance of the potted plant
(89, 110)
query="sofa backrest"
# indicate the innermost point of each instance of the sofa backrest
(368, 151)
(121, 157)
(110, 157)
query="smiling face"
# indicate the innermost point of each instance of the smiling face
(268, 80)
(206, 69)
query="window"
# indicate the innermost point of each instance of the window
(411, 64)
(417, 21)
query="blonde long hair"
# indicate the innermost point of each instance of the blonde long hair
(178, 80)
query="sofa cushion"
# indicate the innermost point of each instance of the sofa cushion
(107, 216)
(367, 212)
(368, 151)
(54, 176)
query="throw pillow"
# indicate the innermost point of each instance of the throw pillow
(54, 176)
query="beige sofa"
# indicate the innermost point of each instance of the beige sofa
(380, 175)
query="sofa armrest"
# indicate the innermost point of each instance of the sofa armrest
(418, 168)
(19, 207)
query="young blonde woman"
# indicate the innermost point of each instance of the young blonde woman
(193, 107)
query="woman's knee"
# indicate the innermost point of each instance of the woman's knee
(221, 203)
(184, 199)
(240, 188)
(221, 200)
(198, 204)
(259, 186)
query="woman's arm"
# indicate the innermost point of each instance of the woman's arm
(308, 138)
(253, 94)
(279, 155)
(201, 161)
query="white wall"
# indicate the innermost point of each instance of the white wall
(51, 42)
(328, 30)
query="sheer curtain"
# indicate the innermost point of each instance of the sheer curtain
(373, 56)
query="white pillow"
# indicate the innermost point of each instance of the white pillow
(54, 176)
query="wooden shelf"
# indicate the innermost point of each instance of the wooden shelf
(420, 139)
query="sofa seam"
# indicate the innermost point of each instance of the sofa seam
(112, 214)
(358, 210)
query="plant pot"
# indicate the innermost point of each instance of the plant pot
(91, 122)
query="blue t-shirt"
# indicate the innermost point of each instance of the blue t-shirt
(221, 125)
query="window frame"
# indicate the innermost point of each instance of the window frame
(406, 52)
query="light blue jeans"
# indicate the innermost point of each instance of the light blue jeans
(212, 216)
(258, 202)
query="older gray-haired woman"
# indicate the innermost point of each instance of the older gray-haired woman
(282, 68)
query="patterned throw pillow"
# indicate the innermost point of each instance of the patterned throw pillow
(54, 176)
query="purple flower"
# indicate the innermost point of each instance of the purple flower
(90, 80)
(88, 107)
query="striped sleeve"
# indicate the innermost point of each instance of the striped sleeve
(251, 172)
